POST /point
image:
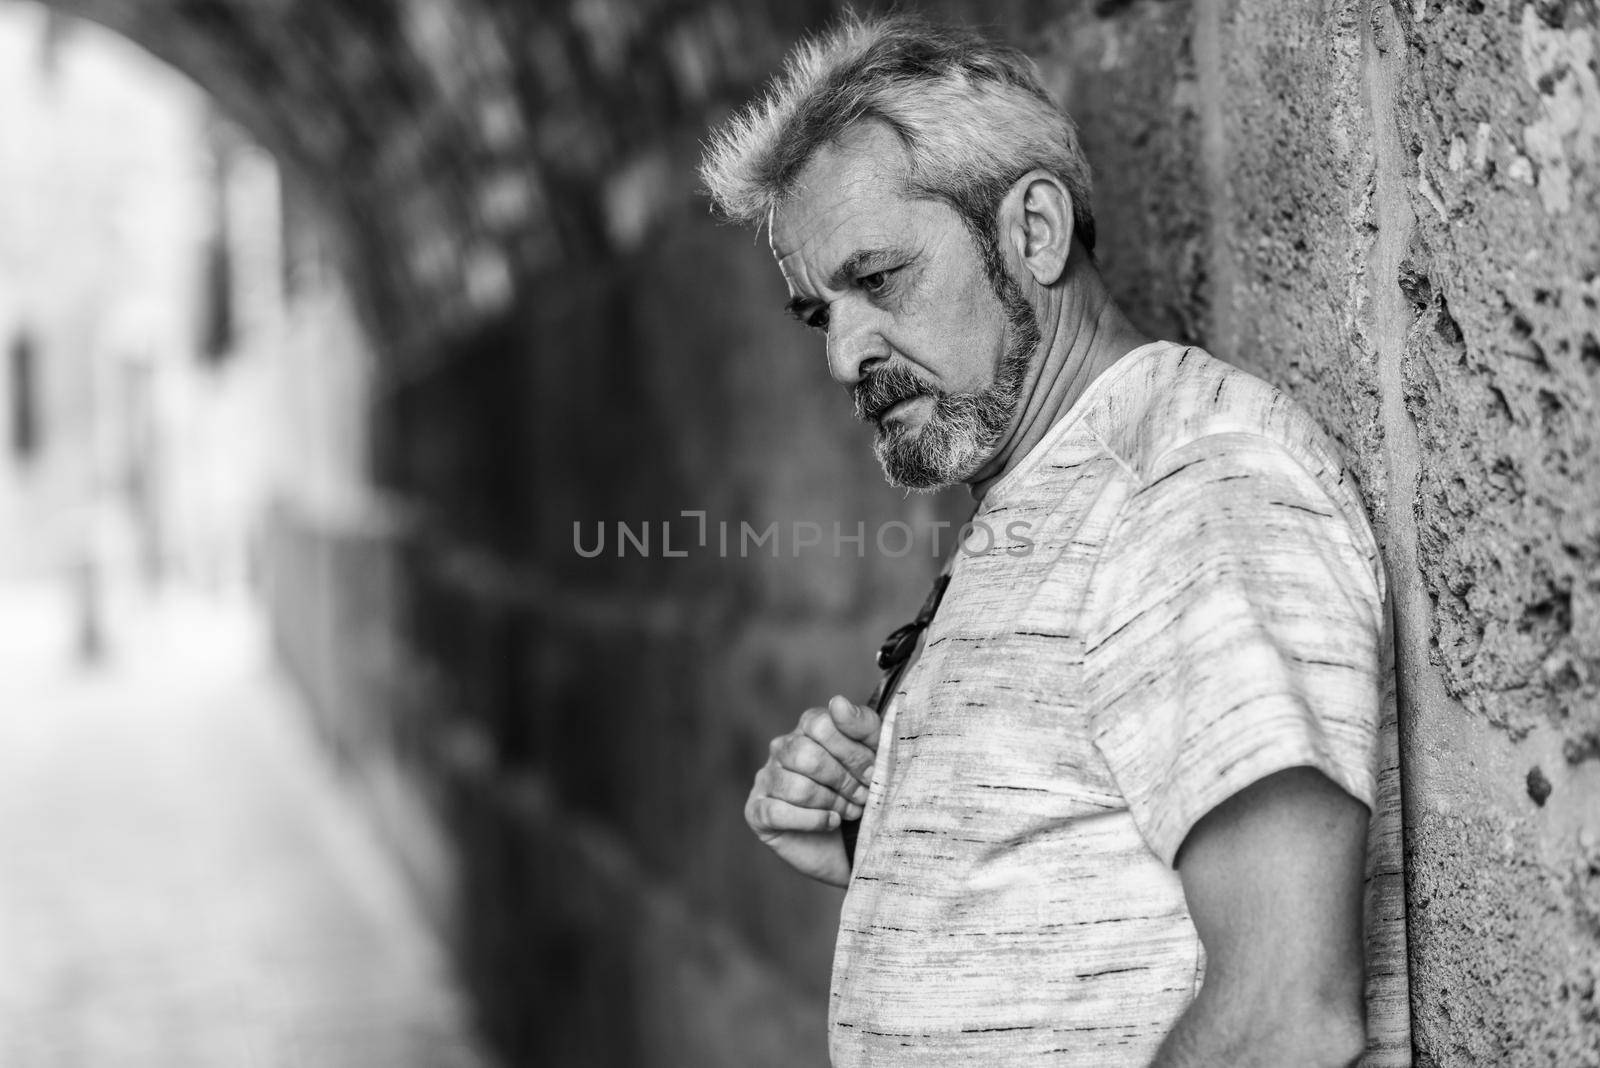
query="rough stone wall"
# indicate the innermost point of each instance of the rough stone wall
(1497, 113)
(1387, 208)
(1399, 206)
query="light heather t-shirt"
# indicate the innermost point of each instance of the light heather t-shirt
(1182, 596)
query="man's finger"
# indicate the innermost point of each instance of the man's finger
(854, 755)
(798, 790)
(804, 755)
(855, 721)
(768, 815)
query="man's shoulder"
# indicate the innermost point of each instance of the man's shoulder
(1178, 406)
(1173, 397)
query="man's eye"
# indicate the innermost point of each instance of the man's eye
(875, 282)
(818, 320)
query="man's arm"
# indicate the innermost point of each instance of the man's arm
(1273, 880)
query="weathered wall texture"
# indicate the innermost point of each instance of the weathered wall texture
(1390, 209)
(1497, 112)
(1401, 226)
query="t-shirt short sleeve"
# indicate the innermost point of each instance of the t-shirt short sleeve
(1232, 631)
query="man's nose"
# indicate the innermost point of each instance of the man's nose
(855, 346)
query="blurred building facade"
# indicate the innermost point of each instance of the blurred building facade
(101, 156)
(504, 311)
(175, 341)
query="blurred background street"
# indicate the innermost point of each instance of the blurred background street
(182, 882)
(183, 879)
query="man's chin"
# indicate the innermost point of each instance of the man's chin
(905, 466)
(916, 481)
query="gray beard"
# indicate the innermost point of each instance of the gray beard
(964, 429)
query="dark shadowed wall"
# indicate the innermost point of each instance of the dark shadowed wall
(1389, 209)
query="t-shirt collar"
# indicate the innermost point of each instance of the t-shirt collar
(1086, 401)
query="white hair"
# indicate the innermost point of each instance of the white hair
(974, 117)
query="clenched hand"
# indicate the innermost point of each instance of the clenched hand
(814, 776)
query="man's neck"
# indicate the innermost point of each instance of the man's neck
(1083, 333)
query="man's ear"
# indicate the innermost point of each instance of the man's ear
(1037, 221)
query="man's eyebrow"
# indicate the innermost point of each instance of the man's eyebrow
(864, 261)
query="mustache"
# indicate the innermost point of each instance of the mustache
(882, 390)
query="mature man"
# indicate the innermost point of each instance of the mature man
(1116, 811)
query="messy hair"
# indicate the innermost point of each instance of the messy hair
(974, 117)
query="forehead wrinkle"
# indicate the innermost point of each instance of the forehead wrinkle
(847, 186)
(856, 168)
(869, 243)
(818, 243)
(802, 223)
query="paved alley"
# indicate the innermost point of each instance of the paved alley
(181, 882)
